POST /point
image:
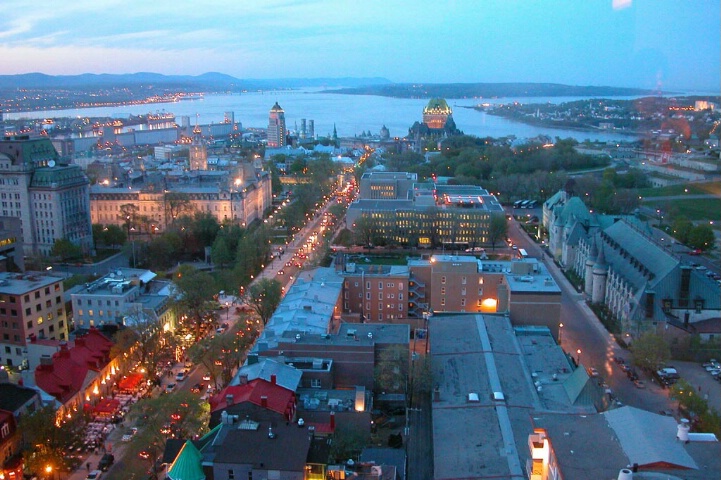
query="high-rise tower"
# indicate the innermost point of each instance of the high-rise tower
(198, 153)
(276, 127)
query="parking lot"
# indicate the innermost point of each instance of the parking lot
(702, 381)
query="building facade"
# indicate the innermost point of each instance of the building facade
(197, 152)
(31, 306)
(240, 205)
(276, 127)
(48, 195)
(396, 208)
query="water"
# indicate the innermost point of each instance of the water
(351, 114)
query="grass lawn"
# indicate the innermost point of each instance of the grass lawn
(713, 188)
(693, 209)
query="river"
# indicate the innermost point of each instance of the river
(350, 114)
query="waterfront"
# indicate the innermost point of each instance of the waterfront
(350, 114)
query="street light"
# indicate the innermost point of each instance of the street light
(560, 333)
(579, 356)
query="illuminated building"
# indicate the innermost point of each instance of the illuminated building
(276, 127)
(436, 114)
(48, 194)
(198, 152)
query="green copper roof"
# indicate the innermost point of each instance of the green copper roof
(187, 465)
(59, 176)
(438, 104)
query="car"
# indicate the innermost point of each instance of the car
(281, 272)
(180, 377)
(696, 251)
(639, 383)
(94, 475)
(188, 364)
(196, 388)
(165, 429)
(169, 387)
(206, 377)
(106, 462)
(592, 372)
(144, 454)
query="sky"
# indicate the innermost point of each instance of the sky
(666, 44)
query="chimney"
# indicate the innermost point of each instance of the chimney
(264, 401)
(229, 399)
(243, 379)
(273, 379)
(332, 421)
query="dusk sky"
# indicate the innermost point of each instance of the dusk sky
(669, 44)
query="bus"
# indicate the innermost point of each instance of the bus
(517, 204)
(525, 203)
(522, 253)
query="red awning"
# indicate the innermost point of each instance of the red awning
(130, 382)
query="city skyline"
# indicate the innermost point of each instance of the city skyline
(626, 43)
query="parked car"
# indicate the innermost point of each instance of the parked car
(94, 475)
(106, 462)
(592, 372)
(196, 388)
(180, 377)
(639, 383)
(169, 387)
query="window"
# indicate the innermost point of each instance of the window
(231, 475)
(27, 298)
(463, 280)
(443, 290)
(368, 285)
(443, 280)
(463, 302)
(28, 311)
(698, 304)
(463, 291)
(37, 295)
(400, 286)
(380, 316)
(400, 307)
(30, 324)
(389, 285)
(443, 301)
(380, 305)
(400, 296)
(380, 295)
(356, 284)
(368, 295)
(315, 383)
(380, 285)
(480, 280)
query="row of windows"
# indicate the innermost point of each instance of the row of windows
(463, 280)
(89, 302)
(10, 196)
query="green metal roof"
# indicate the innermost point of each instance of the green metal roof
(187, 465)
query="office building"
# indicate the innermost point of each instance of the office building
(276, 127)
(198, 152)
(400, 210)
(48, 195)
(31, 306)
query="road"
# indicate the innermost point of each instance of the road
(583, 331)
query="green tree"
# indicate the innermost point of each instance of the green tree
(650, 350)
(264, 297)
(181, 414)
(498, 229)
(220, 253)
(392, 370)
(195, 290)
(46, 439)
(688, 399)
(128, 212)
(681, 228)
(114, 236)
(702, 237)
(66, 250)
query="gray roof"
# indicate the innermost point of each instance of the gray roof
(286, 376)
(648, 438)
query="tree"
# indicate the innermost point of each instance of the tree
(140, 341)
(181, 414)
(688, 399)
(364, 231)
(66, 250)
(681, 228)
(650, 350)
(128, 212)
(195, 290)
(176, 204)
(701, 237)
(220, 253)
(392, 370)
(497, 229)
(46, 439)
(265, 297)
(114, 235)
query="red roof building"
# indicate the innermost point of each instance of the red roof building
(74, 369)
(259, 392)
